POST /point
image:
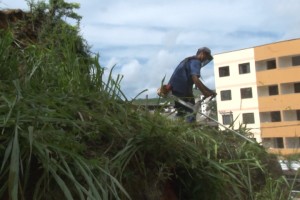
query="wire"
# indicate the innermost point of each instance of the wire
(274, 126)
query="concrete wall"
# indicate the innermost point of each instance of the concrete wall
(235, 82)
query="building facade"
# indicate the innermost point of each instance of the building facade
(259, 88)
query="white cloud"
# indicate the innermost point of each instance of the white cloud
(120, 35)
(147, 39)
(138, 76)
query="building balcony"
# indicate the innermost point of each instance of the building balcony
(278, 75)
(280, 129)
(283, 151)
(278, 102)
(282, 146)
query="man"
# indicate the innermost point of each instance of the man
(186, 74)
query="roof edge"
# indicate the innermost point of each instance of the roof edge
(258, 46)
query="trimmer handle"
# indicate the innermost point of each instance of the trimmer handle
(211, 97)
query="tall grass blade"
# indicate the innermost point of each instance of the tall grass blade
(13, 179)
(64, 188)
(7, 154)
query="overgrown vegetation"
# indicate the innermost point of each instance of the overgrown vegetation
(66, 134)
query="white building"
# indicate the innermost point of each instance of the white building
(260, 87)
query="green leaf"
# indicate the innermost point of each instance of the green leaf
(13, 179)
(64, 188)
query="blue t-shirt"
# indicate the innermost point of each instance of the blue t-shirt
(181, 80)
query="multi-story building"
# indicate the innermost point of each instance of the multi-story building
(259, 87)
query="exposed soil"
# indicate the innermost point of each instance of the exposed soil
(23, 25)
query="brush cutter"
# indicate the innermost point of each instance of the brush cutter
(165, 92)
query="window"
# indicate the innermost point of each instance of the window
(278, 143)
(275, 116)
(273, 90)
(224, 71)
(297, 87)
(227, 119)
(298, 115)
(246, 93)
(273, 142)
(271, 64)
(295, 60)
(248, 118)
(267, 142)
(225, 95)
(244, 68)
(292, 142)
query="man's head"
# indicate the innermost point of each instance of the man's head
(204, 54)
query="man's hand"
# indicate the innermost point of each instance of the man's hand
(205, 91)
(164, 90)
(209, 93)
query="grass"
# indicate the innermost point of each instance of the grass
(66, 134)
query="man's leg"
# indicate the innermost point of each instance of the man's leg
(183, 111)
(191, 116)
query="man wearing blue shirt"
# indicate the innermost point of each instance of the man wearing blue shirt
(186, 74)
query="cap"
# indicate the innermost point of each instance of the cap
(207, 51)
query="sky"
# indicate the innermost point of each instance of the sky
(146, 39)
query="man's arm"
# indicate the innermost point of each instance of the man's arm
(205, 91)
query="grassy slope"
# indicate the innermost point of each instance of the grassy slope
(65, 135)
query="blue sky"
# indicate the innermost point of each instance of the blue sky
(146, 39)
